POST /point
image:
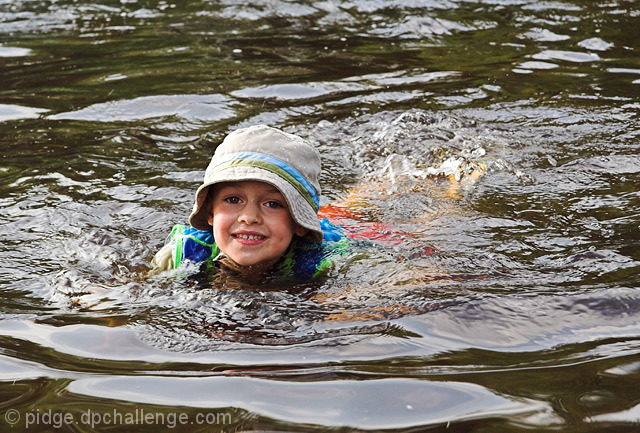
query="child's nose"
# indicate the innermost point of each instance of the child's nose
(250, 214)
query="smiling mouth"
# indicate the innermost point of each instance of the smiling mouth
(249, 237)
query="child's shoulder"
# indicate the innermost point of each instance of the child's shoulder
(185, 244)
(197, 245)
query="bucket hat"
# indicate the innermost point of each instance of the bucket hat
(265, 154)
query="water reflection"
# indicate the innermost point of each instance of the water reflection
(13, 51)
(14, 112)
(386, 403)
(201, 108)
(567, 56)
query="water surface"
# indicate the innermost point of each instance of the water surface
(526, 318)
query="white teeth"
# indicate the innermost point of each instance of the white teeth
(250, 237)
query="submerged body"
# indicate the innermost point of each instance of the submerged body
(258, 210)
(302, 259)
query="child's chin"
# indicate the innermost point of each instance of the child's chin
(253, 264)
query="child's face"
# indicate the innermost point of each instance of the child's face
(251, 222)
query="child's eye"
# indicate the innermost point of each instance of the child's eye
(232, 199)
(274, 204)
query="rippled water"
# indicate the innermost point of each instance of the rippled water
(526, 318)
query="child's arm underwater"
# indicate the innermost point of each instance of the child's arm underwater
(163, 259)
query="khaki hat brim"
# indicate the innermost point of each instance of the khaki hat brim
(301, 211)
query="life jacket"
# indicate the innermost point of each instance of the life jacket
(303, 259)
(191, 245)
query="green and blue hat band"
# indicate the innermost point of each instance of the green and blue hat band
(271, 164)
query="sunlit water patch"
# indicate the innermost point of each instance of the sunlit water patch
(13, 112)
(188, 107)
(386, 403)
(13, 51)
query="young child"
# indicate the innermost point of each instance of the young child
(257, 209)
(258, 212)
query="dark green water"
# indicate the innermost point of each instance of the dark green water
(110, 111)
